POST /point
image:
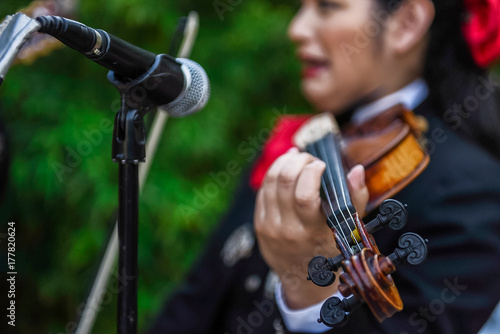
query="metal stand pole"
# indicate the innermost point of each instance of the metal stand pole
(138, 97)
(127, 239)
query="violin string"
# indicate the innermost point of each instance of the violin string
(322, 146)
(325, 190)
(338, 226)
(338, 171)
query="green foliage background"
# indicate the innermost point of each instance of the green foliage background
(63, 224)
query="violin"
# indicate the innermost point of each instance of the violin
(391, 149)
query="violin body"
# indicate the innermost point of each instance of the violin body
(390, 149)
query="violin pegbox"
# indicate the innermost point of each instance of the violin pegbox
(392, 214)
(368, 273)
(367, 276)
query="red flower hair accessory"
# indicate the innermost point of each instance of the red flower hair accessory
(482, 30)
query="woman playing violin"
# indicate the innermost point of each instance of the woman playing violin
(359, 58)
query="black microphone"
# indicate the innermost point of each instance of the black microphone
(183, 89)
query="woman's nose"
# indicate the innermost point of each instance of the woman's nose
(301, 26)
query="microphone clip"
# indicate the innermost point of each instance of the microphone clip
(154, 88)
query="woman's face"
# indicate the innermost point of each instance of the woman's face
(341, 46)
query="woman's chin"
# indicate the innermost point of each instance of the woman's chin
(321, 101)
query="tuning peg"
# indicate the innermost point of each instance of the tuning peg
(392, 214)
(413, 249)
(321, 269)
(335, 312)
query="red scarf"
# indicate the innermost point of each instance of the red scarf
(279, 142)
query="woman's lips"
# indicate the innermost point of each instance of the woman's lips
(312, 66)
(312, 70)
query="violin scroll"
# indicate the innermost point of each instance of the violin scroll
(366, 276)
(392, 214)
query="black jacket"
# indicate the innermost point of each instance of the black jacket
(455, 203)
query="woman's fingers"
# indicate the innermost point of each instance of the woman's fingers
(281, 180)
(288, 178)
(269, 188)
(306, 195)
(358, 189)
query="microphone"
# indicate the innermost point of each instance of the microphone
(182, 87)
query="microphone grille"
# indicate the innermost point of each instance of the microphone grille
(197, 91)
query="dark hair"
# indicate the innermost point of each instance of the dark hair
(453, 76)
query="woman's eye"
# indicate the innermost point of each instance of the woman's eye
(325, 5)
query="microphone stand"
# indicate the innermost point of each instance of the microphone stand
(189, 29)
(129, 149)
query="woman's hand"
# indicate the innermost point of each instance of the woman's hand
(291, 226)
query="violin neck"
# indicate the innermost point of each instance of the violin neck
(334, 191)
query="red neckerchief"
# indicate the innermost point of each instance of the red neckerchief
(279, 142)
